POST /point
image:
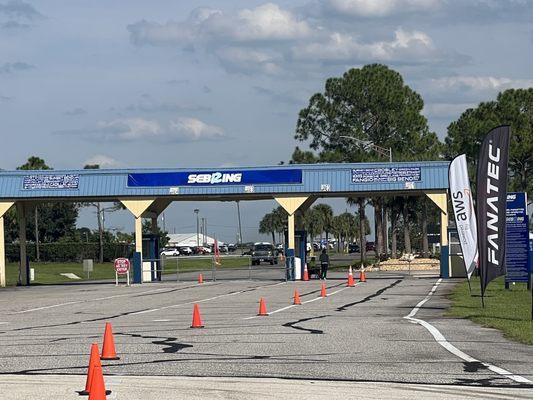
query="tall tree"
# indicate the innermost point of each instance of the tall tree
(513, 107)
(324, 215)
(267, 225)
(368, 105)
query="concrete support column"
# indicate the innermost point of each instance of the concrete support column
(137, 208)
(23, 273)
(139, 235)
(444, 247)
(2, 254)
(291, 204)
(441, 200)
(154, 225)
(4, 207)
(291, 230)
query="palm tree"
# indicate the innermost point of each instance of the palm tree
(324, 215)
(267, 226)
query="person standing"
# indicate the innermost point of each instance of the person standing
(324, 263)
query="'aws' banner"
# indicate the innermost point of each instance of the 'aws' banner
(491, 203)
(463, 209)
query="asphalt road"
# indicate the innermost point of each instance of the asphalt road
(354, 335)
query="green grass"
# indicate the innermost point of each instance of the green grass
(506, 310)
(49, 273)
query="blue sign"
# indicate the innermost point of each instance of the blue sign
(386, 175)
(36, 182)
(215, 178)
(517, 239)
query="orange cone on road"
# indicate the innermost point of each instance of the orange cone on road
(94, 360)
(362, 276)
(97, 391)
(350, 278)
(306, 273)
(108, 347)
(323, 291)
(262, 308)
(297, 301)
(200, 278)
(196, 318)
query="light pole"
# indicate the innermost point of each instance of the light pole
(196, 211)
(367, 144)
(239, 218)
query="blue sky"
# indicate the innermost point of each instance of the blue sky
(220, 83)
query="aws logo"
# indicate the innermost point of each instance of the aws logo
(214, 178)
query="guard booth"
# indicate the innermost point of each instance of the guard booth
(457, 265)
(151, 263)
(296, 269)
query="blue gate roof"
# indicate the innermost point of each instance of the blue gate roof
(231, 183)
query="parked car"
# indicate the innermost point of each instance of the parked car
(264, 252)
(170, 252)
(201, 250)
(223, 248)
(185, 250)
(353, 248)
(370, 246)
(232, 247)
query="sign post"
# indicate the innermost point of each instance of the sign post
(517, 239)
(122, 267)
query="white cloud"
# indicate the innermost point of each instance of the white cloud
(182, 129)
(247, 61)
(194, 129)
(130, 128)
(267, 22)
(269, 39)
(380, 8)
(103, 161)
(479, 83)
(408, 47)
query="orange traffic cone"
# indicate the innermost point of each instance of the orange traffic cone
(297, 301)
(200, 278)
(97, 391)
(108, 347)
(323, 291)
(306, 273)
(350, 278)
(94, 360)
(262, 308)
(196, 318)
(362, 276)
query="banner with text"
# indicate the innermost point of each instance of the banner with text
(491, 203)
(517, 241)
(463, 209)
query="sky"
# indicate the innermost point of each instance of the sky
(220, 83)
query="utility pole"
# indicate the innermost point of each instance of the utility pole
(239, 218)
(196, 211)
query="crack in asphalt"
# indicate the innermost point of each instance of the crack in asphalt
(370, 297)
(301, 328)
(169, 343)
(26, 328)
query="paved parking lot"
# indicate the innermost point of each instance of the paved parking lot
(354, 335)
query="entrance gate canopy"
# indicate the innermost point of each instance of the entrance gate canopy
(235, 183)
(147, 192)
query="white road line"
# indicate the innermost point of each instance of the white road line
(303, 302)
(440, 339)
(202, 300)
(85, 301)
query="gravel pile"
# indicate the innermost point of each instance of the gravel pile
(419, 264)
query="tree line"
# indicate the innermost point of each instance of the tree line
(372, 106)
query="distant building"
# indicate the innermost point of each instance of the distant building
(189, 239)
